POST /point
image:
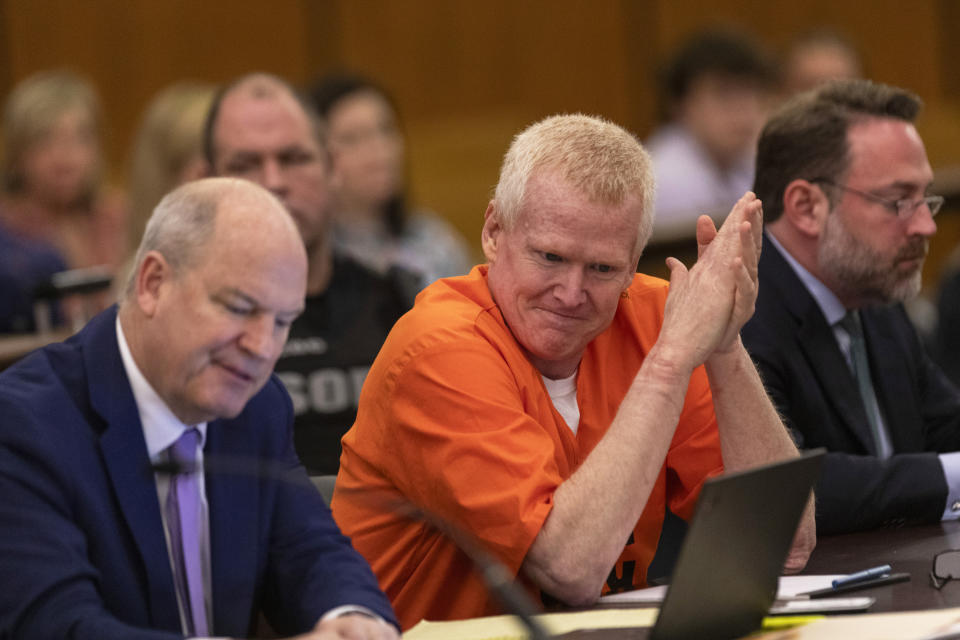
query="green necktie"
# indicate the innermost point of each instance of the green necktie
(861, 373)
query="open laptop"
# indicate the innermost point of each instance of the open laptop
(726, 574)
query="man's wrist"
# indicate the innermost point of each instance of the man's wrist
(351, 609)
(721, 364)
(668, 364)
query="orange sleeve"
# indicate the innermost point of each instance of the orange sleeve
(489, 467)
(695, 453)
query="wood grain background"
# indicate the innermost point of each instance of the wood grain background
(467, 74)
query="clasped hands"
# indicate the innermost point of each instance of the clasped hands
(709, 303)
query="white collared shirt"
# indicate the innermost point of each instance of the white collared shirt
(161, 429)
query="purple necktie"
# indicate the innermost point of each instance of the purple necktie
(183, 518)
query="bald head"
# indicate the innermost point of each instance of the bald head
(221, 274)
(186, 219)
(258, 129)
(257, 86)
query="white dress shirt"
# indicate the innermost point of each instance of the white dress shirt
(160, 430)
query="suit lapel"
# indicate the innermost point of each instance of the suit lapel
(896, 398)
(234, 506)
(128, 466)
(823, 354)
(816, 341)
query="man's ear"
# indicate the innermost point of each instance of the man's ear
(805, 207)
(153, 273)
(492, 232)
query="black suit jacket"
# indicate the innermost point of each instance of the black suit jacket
(809, 381)
(81, 537)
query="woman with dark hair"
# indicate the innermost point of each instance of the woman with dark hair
(372, 220)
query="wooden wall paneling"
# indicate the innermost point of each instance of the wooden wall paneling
(132, 48)
(323, 37)
(467, 76)
(642, 23)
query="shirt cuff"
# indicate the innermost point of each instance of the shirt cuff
(951, 471)
(344, 609)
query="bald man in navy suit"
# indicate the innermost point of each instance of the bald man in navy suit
(87, 547)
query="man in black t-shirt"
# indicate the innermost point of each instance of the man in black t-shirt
(329, 351)
(259, 129)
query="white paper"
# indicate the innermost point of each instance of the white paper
(789, 587)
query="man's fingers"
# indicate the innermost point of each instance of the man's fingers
(746, 295)
(677, 270)
(706, 232)
(755, 218)
(748, 249)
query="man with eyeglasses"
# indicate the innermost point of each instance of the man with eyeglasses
(260, 129)
(844, 179)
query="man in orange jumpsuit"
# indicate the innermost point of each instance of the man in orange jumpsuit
(552, 402)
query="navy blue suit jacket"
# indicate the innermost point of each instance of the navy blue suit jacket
(82, 548)
(811, 385)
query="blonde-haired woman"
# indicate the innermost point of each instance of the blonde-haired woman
(52, 171)
(167, 150)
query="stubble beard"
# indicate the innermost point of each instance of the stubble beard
(864, 274)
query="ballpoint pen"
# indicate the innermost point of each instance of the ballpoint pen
(860, 576)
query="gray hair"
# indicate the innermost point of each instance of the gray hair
(597, 157)
(182, 224)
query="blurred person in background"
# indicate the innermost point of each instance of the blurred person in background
(716, 90)
(818, 56)
(52, 171)
(167, 151)
(24, 265)
(55, 211)
(261, 130)
(373, 221)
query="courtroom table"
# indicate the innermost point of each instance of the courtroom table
(908, 549)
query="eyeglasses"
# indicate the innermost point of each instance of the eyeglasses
(902, 208)
(946, 567)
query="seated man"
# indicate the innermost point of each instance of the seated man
(97, 545)
(552, 402)
(844, 179)
(259, 129)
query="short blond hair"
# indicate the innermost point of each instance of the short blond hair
(600, 159)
